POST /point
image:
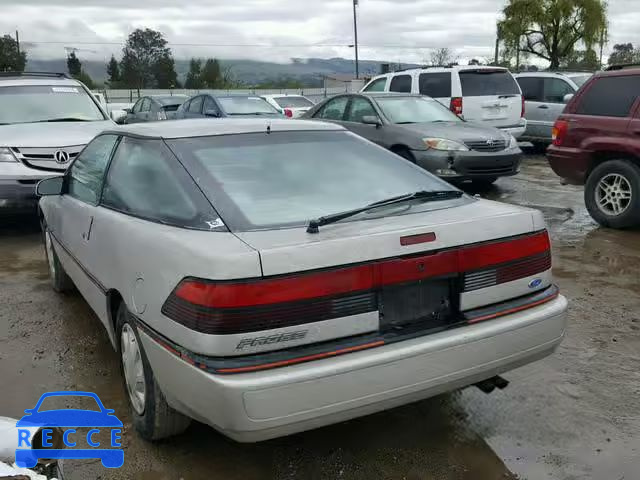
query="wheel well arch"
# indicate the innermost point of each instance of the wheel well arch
(114, 299)
(398, 146)
(600, 157)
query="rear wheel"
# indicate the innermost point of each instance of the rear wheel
(612, 194)
(60, 281)
(152, 416)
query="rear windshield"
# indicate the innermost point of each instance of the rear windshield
(170, 108)
(43, 103)
(480, 83)
(284, 179)
(246, 106)
(293, 102)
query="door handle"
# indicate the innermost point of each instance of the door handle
(544, 107)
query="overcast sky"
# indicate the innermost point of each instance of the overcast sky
(394, 30)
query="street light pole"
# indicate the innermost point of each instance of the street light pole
(355, 32)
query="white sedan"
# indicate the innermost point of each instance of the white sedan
(271, 276)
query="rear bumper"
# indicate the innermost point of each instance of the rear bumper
(470, 165)
(517, 130)
(261, 405)
(571, 164)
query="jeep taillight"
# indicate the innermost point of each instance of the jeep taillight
(559, 132)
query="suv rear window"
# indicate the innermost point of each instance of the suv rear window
(436, 85)
(610, 96)
(480, 83)
(287, 178)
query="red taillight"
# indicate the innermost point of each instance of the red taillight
(456, 105)
(288, 112)
(523, 108)
(559, 132)
(239, 306)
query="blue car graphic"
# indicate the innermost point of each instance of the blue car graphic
(70, 419)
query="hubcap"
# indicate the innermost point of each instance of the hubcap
(613, 194)
(48, 245)
(133, 370)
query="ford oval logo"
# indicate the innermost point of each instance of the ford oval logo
(535, 283)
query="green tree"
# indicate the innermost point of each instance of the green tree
(212, 74)
(11, 58)
(164, 72)
(74, 65)
(582, 60)
(141, 56)
(623, 53)
(86, 79)
(552, 29)
(113, 70)
(194, 77)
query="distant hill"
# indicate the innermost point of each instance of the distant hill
(309, 71)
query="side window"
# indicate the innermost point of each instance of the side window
(610, 96)
(209, 104)
(146, 105)
(185, 106)
(196, 105)
(555, 90)
(531, 88)
(377, 85)
(401, 83)
(334, 109)
(145, 180)
(86, 174)
(360, 107)
(435, 85)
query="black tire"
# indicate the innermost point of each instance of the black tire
(405, 153)
(60, 281)
(158, 420)
(630, 172)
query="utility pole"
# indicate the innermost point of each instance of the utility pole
(18, 42)
(355, 33)
(497, 53)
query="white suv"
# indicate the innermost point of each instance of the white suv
(46, 119)
(489, 95)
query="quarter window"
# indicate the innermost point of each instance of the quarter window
(610, 96)
(531, 88)
(435, 85)
(334, 109)
(377, 85)
(145, 180)
(86, 174)
(401, 83)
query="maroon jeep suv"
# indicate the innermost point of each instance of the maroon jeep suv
(596, 143)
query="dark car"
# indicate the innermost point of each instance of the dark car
(596, 143)
(153, 108)
(425, 132)
(218, 106)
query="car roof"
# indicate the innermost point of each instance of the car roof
(552, 74)
(453, 68)
(388, 94)
(623, 72)
(282, 95)
(10, 81)
(228, 126)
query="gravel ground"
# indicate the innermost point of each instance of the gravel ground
(573, 415)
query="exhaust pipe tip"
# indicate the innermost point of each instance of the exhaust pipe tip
(490, 384)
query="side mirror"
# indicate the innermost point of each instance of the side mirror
(567, 98)
(127, 110)
(371, 120)
(50, 186)
(211, 113)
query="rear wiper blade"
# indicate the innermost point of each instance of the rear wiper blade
(423, 195)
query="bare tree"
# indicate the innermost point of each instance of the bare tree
(441, 56)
